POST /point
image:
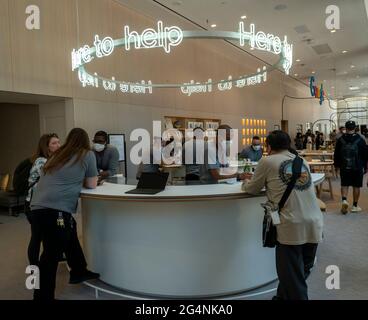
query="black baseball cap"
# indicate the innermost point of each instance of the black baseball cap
(350, 125)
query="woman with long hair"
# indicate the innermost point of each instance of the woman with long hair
(54, 200)
(47, 146)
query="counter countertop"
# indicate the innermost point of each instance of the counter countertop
(110, 191)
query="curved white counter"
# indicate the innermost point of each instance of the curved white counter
(188, 241)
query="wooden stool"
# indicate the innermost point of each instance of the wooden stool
(329, 189)
(322, 205)
(328, 171)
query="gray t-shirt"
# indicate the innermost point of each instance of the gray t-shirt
(108, 160)
(60, 189)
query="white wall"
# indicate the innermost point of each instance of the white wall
(38, 62)
(53, 119)
(124, 118)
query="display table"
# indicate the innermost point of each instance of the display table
(188, 241)
(305, 153)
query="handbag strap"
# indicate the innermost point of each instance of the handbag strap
(297, 170)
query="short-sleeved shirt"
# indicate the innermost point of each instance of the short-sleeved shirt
(60, 189)
(301, 217)
(108, 160)
(34, 175)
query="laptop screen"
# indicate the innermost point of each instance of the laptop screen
(153, 180)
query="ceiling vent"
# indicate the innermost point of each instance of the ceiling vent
(322, 49)
(308, 41)
(280, 7)
(301, 29)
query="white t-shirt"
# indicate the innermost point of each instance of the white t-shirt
(301, 217)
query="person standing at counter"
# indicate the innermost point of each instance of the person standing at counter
(54, 200)
(301, 225)
(107, 156)
(210, 170)
(47, 146)
(253, 152)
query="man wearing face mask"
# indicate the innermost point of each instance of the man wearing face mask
(253, 152)
(107, 156)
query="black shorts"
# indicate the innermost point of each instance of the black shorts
(351, 178)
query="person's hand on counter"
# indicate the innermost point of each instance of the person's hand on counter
(100, 180)
(104, 174)
(245, 176)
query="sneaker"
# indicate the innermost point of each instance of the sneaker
(344, 207)
(85, 276)
(356, 209)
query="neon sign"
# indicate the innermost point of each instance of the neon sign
(162, 38)
(169, 37)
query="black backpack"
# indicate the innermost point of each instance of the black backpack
(350, 155)
(20, 179)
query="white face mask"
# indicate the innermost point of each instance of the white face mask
(257, 148)
(98, 147)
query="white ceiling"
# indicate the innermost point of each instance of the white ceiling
(333, 69)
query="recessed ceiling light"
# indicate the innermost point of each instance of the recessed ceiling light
(295, 75)
(344, 51)
(243, 17)
(354, 88)
(213, 25)
(313, 72)
(333, 30)
(297, 60)
(352, 66)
